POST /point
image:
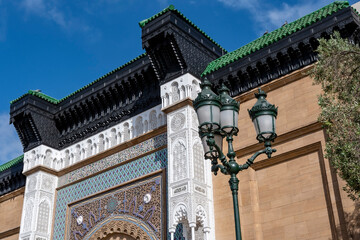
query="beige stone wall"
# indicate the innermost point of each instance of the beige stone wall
(295, 194)
(12, 237)
(10, 214)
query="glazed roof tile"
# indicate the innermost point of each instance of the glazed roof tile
(275, 36)
(11, 163)
(173, 9)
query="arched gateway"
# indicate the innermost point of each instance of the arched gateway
(122, 227)
(132, 212)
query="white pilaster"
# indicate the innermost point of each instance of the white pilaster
(38, 208)
(190, 194)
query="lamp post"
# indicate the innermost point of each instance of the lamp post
(218, 118)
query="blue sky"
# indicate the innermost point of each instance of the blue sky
(60, 46)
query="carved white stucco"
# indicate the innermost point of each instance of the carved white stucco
(186, 86)
(57, 160)
(189, 179)
(40, 188)
(37, 213)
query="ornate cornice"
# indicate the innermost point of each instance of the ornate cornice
(11, 179)
(115, 98)
(289, 54)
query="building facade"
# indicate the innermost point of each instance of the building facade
(121, 157)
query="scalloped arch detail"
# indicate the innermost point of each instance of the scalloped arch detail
(125, 226)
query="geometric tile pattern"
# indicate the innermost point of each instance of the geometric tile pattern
(103, 181)
(140, 203)
(114, 159)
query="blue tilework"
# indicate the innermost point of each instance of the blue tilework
(103, 181)
(131, 152)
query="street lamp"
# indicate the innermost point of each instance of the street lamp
(218, 118)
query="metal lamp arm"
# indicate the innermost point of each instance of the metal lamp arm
(268, 151)
(211, 143)
(222, 156)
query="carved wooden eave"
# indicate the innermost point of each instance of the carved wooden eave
(11, 179)
(175, 47)
(287, 55)
(114, 98)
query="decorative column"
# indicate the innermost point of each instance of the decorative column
(190, 195)
(41, 182)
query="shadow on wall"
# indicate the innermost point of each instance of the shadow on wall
(352, 220)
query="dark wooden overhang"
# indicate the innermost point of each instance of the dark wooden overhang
(115, 98)
(289, 54)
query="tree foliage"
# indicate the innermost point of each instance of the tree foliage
(338, 72)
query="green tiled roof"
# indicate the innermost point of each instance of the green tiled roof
(172, 8)
(38, 94)
(275, 36)
(56, 101)
(11, 163)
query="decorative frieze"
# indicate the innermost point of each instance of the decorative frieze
(124, 131)
(186, 86)
(112, 160)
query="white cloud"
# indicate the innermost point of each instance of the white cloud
(46, 9)
(241, 4)
(57, 12)
(270, 17)
(10, 146)
(275, 17)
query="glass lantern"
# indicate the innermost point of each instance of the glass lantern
(207, 106)
(229, 112)
(263, 115)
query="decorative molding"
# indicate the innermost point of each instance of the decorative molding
(12, 194)
(277, 83)
(120, 158)
(42, 169)
(112, 167)
(121, 227)
(9, 233)
(12, 178)
(282, 138)
(290, 53)
(116, 149)
(178, 105)
(186, 86)
(299, 152)
(315, 147)
(99, 156)
(119, 96)
(110, 138)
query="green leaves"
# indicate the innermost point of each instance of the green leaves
(338, 72)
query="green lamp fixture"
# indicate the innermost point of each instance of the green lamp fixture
(218, 118)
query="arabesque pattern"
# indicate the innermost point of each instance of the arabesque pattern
(114, 159)
(103, 181)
